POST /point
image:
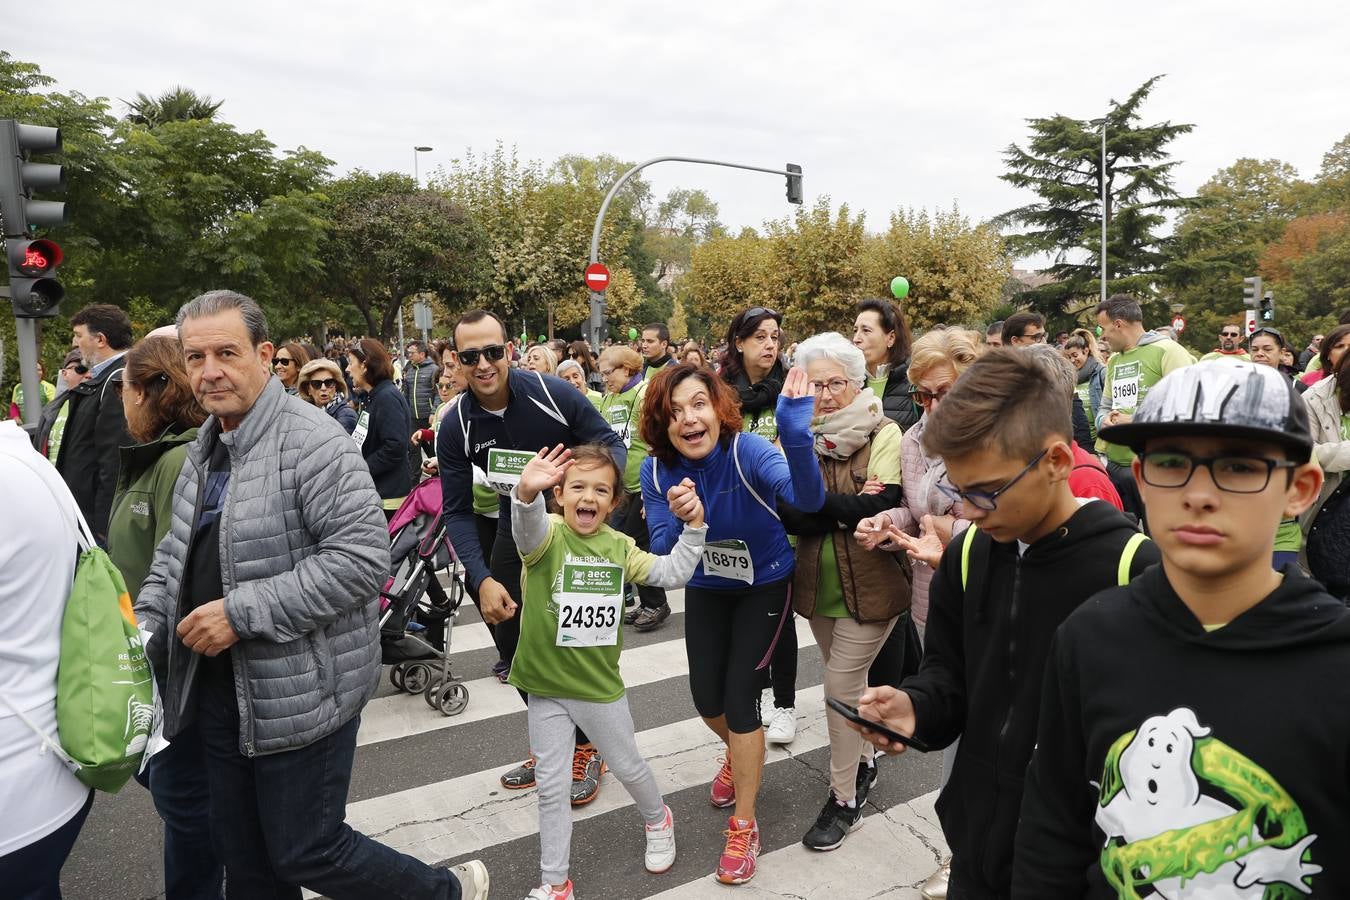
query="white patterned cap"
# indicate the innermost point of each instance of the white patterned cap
(1221, 397)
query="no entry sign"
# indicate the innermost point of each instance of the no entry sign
(597, 277)
(1179, 323)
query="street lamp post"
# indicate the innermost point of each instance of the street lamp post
(417, 182)
(1102, 123)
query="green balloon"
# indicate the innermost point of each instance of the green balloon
(900, 287)
(632, 334)
(542, 339)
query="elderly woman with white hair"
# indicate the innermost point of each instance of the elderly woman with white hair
(852, 598)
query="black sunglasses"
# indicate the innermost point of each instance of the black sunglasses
(494, 353)
(755, 312)
(79, 369)
(321, 383)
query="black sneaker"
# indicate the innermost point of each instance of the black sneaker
(867, 779)
(649, 617)
(832, 825)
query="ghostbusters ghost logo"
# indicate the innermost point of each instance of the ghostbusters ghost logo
(1190, 817)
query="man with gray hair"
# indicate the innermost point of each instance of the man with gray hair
(262, 604)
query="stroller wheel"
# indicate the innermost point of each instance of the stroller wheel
(415, 677)
(396, 676)
(452, 699)
(431, 693)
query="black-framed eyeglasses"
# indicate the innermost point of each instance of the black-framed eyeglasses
(494, 353)
(325, 383)
(920, 396)
(835, 386)
(1036, 336)
(1234, 474)
(988, 500)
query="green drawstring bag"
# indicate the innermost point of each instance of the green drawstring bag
(104, 695)
(105, 701)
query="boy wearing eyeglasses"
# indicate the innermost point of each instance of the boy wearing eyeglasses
(1193, 738)
(998, 593)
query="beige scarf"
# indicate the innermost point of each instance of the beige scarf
(842, 433)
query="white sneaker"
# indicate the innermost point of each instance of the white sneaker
(782, 726)
(473, 880)
(766, 707)
(661, 845)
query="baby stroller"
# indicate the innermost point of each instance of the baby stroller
(416, 613)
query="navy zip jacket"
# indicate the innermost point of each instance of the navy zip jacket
(386, 445)
(730, 505)
(542, 411)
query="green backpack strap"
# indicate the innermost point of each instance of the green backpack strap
(1127, 557)
(967, 541)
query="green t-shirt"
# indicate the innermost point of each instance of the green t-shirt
(1345, 428)
(58, 429)
(486, 501)
(1084, 392)
(540, 666)
(878, 386)
(1288, 537)
(1219, 354)
(594, 397)
(883, 466)
(46, 390)
(623, 412)
(764, 424)
(1132, 374)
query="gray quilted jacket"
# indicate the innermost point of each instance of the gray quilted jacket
(303, 555)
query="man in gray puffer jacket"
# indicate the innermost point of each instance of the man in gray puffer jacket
(262, 602)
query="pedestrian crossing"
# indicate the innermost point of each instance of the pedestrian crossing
(428, 785)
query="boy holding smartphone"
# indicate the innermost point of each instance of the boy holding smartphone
(999, 592)
(1193, 737)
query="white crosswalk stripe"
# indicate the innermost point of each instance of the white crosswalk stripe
(428, 785)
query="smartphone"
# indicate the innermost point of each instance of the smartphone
(851, 713)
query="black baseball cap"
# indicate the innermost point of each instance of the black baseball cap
(1221, 397)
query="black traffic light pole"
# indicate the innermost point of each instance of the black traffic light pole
(595, 326)
(33, 291)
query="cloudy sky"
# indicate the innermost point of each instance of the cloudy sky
(884, 104)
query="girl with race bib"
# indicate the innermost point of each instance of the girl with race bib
(736, 603)
(574, 567)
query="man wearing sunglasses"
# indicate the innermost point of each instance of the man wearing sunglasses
(503, 420)
(1230, 344)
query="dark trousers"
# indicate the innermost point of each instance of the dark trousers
(278, 819)
(34, 872)
(630, 521)
(487, 537)
(176, 778)
(781, 673)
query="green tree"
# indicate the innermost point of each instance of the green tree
(177, 105)
(727, 275)
(1062, 164)
(817, 272)
(390, 241)
(956, 270)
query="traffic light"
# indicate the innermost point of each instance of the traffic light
(794, 183)
(34, 291)
(1251, 292)
(1268, 307)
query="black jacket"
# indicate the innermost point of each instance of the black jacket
(984, 661)
(385, 448)
(90, 453)
(1155, 733)
(895, 400)
(419, 389)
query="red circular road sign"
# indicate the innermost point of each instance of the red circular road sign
(1179, 323)
(597, 277)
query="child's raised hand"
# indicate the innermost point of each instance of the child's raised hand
(684, 503)
(543, 472)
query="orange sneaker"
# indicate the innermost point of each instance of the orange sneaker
(723, 786)
(587, 767)
(737, 863)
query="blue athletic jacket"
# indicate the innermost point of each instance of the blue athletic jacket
(730, 508)
(542, 411)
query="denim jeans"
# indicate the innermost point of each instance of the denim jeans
(176, 779)
(33, 872)
(278, 820)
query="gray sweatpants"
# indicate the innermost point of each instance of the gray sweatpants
(553, 722)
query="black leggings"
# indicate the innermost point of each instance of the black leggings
(727, 635)
(781, 675)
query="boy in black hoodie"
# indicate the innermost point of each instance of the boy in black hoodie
(999, 593)
(1194, 740)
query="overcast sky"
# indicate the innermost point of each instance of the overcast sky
(884, 104)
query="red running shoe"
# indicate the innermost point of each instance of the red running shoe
(723, 786)
(737, 863)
